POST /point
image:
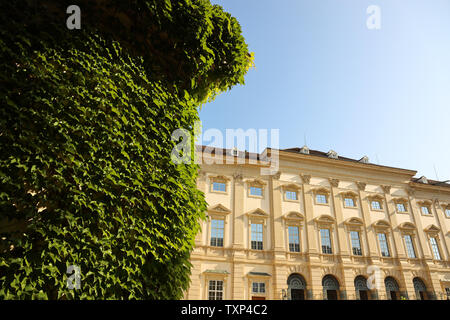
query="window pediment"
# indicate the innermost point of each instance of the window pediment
(291, 187)
(350, 194)
(256, 182)
(432, 229)
(219, 178)
(219, 209)
(325, 220)
(400, 200)
(257, 213)
(381, 225)
(407, 226)
(375, 197)
(321, 190)
(293, 215)
(354, 222)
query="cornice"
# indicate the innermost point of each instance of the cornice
(345, 164)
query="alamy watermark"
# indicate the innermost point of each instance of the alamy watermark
(74, 280)
(251, 140)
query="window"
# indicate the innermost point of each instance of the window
(219, 186)
(256, 191)
(291, 195)
(435, 248)
(447, 212)
(425, 210)
(321, 198)
(294, 240)
(401, 207)
(215, 290)
(257, 236)
(447, 291)
(326, 241)
(356, 244)
(217, 230)
(349, 202)
(409, 246)
(258, 287)
(376, 205)
(383, 245)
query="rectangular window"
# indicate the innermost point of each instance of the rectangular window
(256, 191)
(215, 290)
(294, 239)
(447, 213)
(356, 244)
(349, 202)
(258, 287)
(217, 231)
(383, 245)
(291, 195)
(410, 246)
(321, 198)
(326, 241)
(425, 210)
(376, 205)
(435, 248)
(257, 236)
(219, 186)
(401, 207)
(447, 291)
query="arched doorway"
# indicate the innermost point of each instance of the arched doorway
(296, 287)
(362, 292)
(392, 289)
(420, 288)
(330, 287)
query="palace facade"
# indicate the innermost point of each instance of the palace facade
(322, 227)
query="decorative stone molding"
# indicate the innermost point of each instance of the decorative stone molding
(306, 178)
(432, 230)
(354, 223)
(321, 190)
(361, 185)
(256, 182)
(238, 177)
(277, 175)
(219, 178)
(381, 225)
(411, 192)
(334, 182)
(407, 228)
(291, 187)
(219, 209)
(386, 189)
(325, 220)
(293, 217)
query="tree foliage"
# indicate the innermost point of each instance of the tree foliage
(86, 120)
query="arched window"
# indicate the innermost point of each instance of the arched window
(330, 287)
(420, 288)
(392, 289)
(362, 292)
(296, 287)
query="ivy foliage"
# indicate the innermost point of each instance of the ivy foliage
(86, 118)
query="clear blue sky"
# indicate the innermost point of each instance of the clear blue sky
(321, 72)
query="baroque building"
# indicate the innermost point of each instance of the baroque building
(322, 227)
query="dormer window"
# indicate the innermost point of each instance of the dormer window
(304, 150)
(332, 154)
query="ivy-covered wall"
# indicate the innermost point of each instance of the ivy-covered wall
(86, 119)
